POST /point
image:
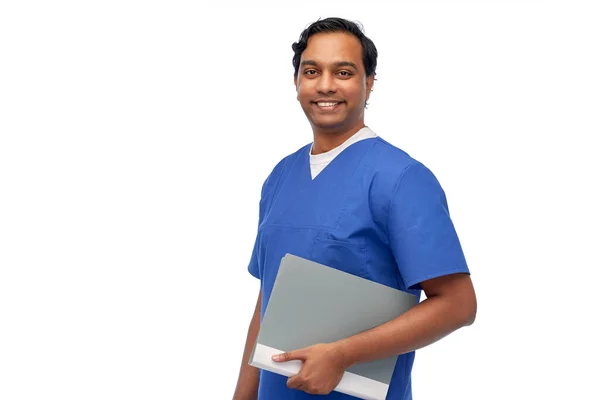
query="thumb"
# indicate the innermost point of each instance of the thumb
(289, 356)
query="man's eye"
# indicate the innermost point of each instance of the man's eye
(310, 72)
(345, 73)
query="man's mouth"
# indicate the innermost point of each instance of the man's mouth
(327, 105)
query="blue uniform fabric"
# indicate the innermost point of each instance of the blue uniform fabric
(375, 212)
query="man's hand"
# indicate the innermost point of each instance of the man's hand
(322, 368)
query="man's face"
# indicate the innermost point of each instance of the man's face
(331, 83)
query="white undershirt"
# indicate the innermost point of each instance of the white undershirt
(318, 162)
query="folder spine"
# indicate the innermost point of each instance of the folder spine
(351, 384)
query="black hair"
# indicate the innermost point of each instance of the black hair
(369, 51)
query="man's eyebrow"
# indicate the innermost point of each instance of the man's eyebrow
(336, 64)
(308, 62)
(346, 64)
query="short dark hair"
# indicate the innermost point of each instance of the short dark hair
(369, 51)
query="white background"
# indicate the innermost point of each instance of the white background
(135, 136)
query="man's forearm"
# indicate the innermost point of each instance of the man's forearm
(247, 385)
(424, 324)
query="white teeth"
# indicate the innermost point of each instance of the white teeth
(327, 104)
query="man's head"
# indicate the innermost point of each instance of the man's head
(334, 62)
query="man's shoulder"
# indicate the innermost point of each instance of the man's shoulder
(281, 167)
(393, 168)
(391, 160)
(289, 159)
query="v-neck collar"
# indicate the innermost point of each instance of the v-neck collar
(328, 157)
(300, 196)
(305, 168)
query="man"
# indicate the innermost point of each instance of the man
(352, 201)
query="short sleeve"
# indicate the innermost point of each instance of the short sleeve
(253, 266)
(266, 194)
(421, 234)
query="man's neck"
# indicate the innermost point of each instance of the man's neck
(325, 141)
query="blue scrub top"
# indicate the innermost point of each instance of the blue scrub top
(375, 212)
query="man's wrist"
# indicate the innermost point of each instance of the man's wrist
(343, 350)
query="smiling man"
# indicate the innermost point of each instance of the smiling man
(353, 201)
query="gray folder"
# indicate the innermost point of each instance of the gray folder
(312, 303)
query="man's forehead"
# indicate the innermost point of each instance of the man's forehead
(332, 49)
(333, 45)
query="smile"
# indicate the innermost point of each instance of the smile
(328, 105)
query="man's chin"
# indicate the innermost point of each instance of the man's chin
(327, 124)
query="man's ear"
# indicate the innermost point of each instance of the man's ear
(296, 86)
(370, 82)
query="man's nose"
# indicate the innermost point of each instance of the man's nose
(326, 84)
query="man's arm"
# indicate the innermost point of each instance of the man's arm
(247, 385)
(451, 304)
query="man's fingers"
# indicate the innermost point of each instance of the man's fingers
(289, 356)
(282, 357)
(294, 382)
